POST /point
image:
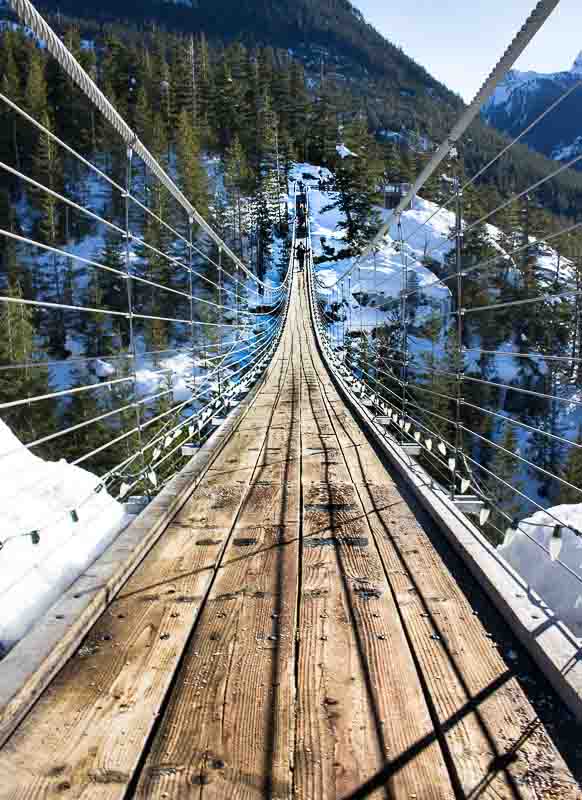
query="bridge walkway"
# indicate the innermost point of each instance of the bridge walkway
(294, 633)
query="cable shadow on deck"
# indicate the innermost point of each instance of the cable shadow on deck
(491, 620)
(500, 761)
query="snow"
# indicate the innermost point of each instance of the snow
(102, 369)
(557, 586)
(566, 152)
(177, 369)
(516, 84)
(559, 589)
(39, 495)
(344, 152)
(577, 66)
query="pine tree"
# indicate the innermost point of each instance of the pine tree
(96, 326)
(35, 95)
(142, 117)
(23, 379)
(86, 407)
(393, 171)
(323, 133)
(355, 184)
(11, 87)
(16, 327)
(47, 170)
(506, 469)
(193, 180)
(237, 181)
(542, 449)
(572, 472)
(184, 83)
(204, 75)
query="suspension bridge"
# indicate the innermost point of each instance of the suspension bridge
(304, 606)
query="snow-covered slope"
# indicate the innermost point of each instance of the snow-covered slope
(380, 280)
(530, 81)
(559, 583)
(37, 495)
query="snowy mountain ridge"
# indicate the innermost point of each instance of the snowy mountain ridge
(523, 96)
(530, 81)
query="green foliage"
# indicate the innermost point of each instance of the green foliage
(355, 186)
(193, 177)
(572, 473)
(23, 378)
(503, 481)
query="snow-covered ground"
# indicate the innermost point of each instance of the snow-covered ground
(37, 495)
(559, 581)
(380, 278)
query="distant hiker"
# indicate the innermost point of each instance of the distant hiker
(300, 254)
(301, 187)
(301, 209)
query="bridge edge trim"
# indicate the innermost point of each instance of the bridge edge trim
(31, 665)
(553, 647)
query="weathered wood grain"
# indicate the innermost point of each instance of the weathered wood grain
(229, 725)
(87, 733)
(360, 702)
(293, 634)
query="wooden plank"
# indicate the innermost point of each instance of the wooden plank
(496, 749)
(229, 725)
(90, 727)
(496, 742)
(31, 665)
(205, 632)
(360, 703)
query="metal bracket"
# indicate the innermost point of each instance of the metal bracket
(135, 504)
(190, 449)
(468, 504)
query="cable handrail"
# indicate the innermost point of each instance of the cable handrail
(532, 25)
(470, 181)
(30, 17)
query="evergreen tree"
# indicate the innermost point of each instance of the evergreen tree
(505, 467)
(11, 87)
(572, 472)
(193, 180)
(355, 186)
(86, 407)
(35, 95)
(237, 176)
(23, 379)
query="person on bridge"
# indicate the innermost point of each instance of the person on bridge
(301, 214)
(300, 253)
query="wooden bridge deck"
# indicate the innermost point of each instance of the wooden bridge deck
(293, 634)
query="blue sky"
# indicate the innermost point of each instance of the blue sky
(459, 42)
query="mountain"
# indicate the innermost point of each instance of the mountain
(350, 70)
(334, 25)
(523, 96)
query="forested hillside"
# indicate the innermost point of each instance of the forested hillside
(362, 72)
(228, 120)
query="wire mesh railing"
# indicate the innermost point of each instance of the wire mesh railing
(130, 327)
(459, 330)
